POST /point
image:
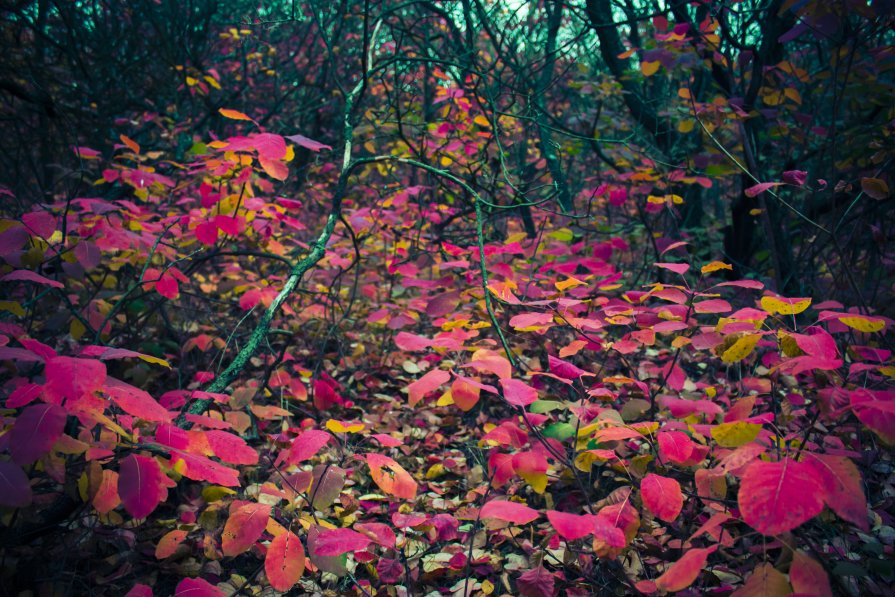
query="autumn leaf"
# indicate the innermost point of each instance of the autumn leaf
(244, 527)
(15, 490)
(141, 485)
(335, 542)
(507, 511)
(391, 477)
(662, 496)
(682, 573)
(285, 561)
(233, 114)
(35, 431)
(776, 497)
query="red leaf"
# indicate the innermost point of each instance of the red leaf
(35, 431)
(518, 393)
(71, 378)
(231, 448)
(26, 275)
(244, 527)
(571, 526)
(285, 561)
(207, 233)
(24, 394)
(682, 573)
(427, 383)
(675, 446)
(776, 497)
(169, 542)
(15, 490)
(808, 576)
(662, 496)
(335, 542)
(196, 587)
(305, 446)
(509, 512)
(136, 402)
(270, 146)
(844, 490)
(307, 143)
(378, 532)
(537, 582)
(760, 188)
(199, 468)
(141, 485)
(391, 477)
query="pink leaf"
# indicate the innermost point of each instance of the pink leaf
(141, 485)
(270, 146)
(571, 526)
(795, 177)
(71, 378)
(776, 497)
(678, 268)
(26, 275)
(411, 342)
(35, 431)
(662, 496)
(509, 512)
(335, 542)
(524, 320)
(378, 532)
(196, 587)
(244, 527)
(564, 369)
(808, 577)
(760, 188)
(207, 233)
(169, 543)
(427, 383)
(15, 490)
(518, 393)
(139, 590)
(844, 489)
(307, 143)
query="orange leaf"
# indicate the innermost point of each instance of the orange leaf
(682, 573)
(391, 477)
(244, 527)
(234, 114)
(285, 561)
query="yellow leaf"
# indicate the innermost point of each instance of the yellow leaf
(569, 282)
(863, 324)
(680, 342)
(481, 121)
(435, 471)
(793, 94)
(784, 307)
(213, 493)
(212, 81)
(340, 427)
(151, 359)
(740, 349)
(446, 399)
(649, 68)
(538, 481)
(736, 434)
(683, 93)
(191, 81)
(487, 587)
(755, 212)
(715, 266)
(685, 126)
(655, 199)
(563, 234)
(233, 114)
(13, 307)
